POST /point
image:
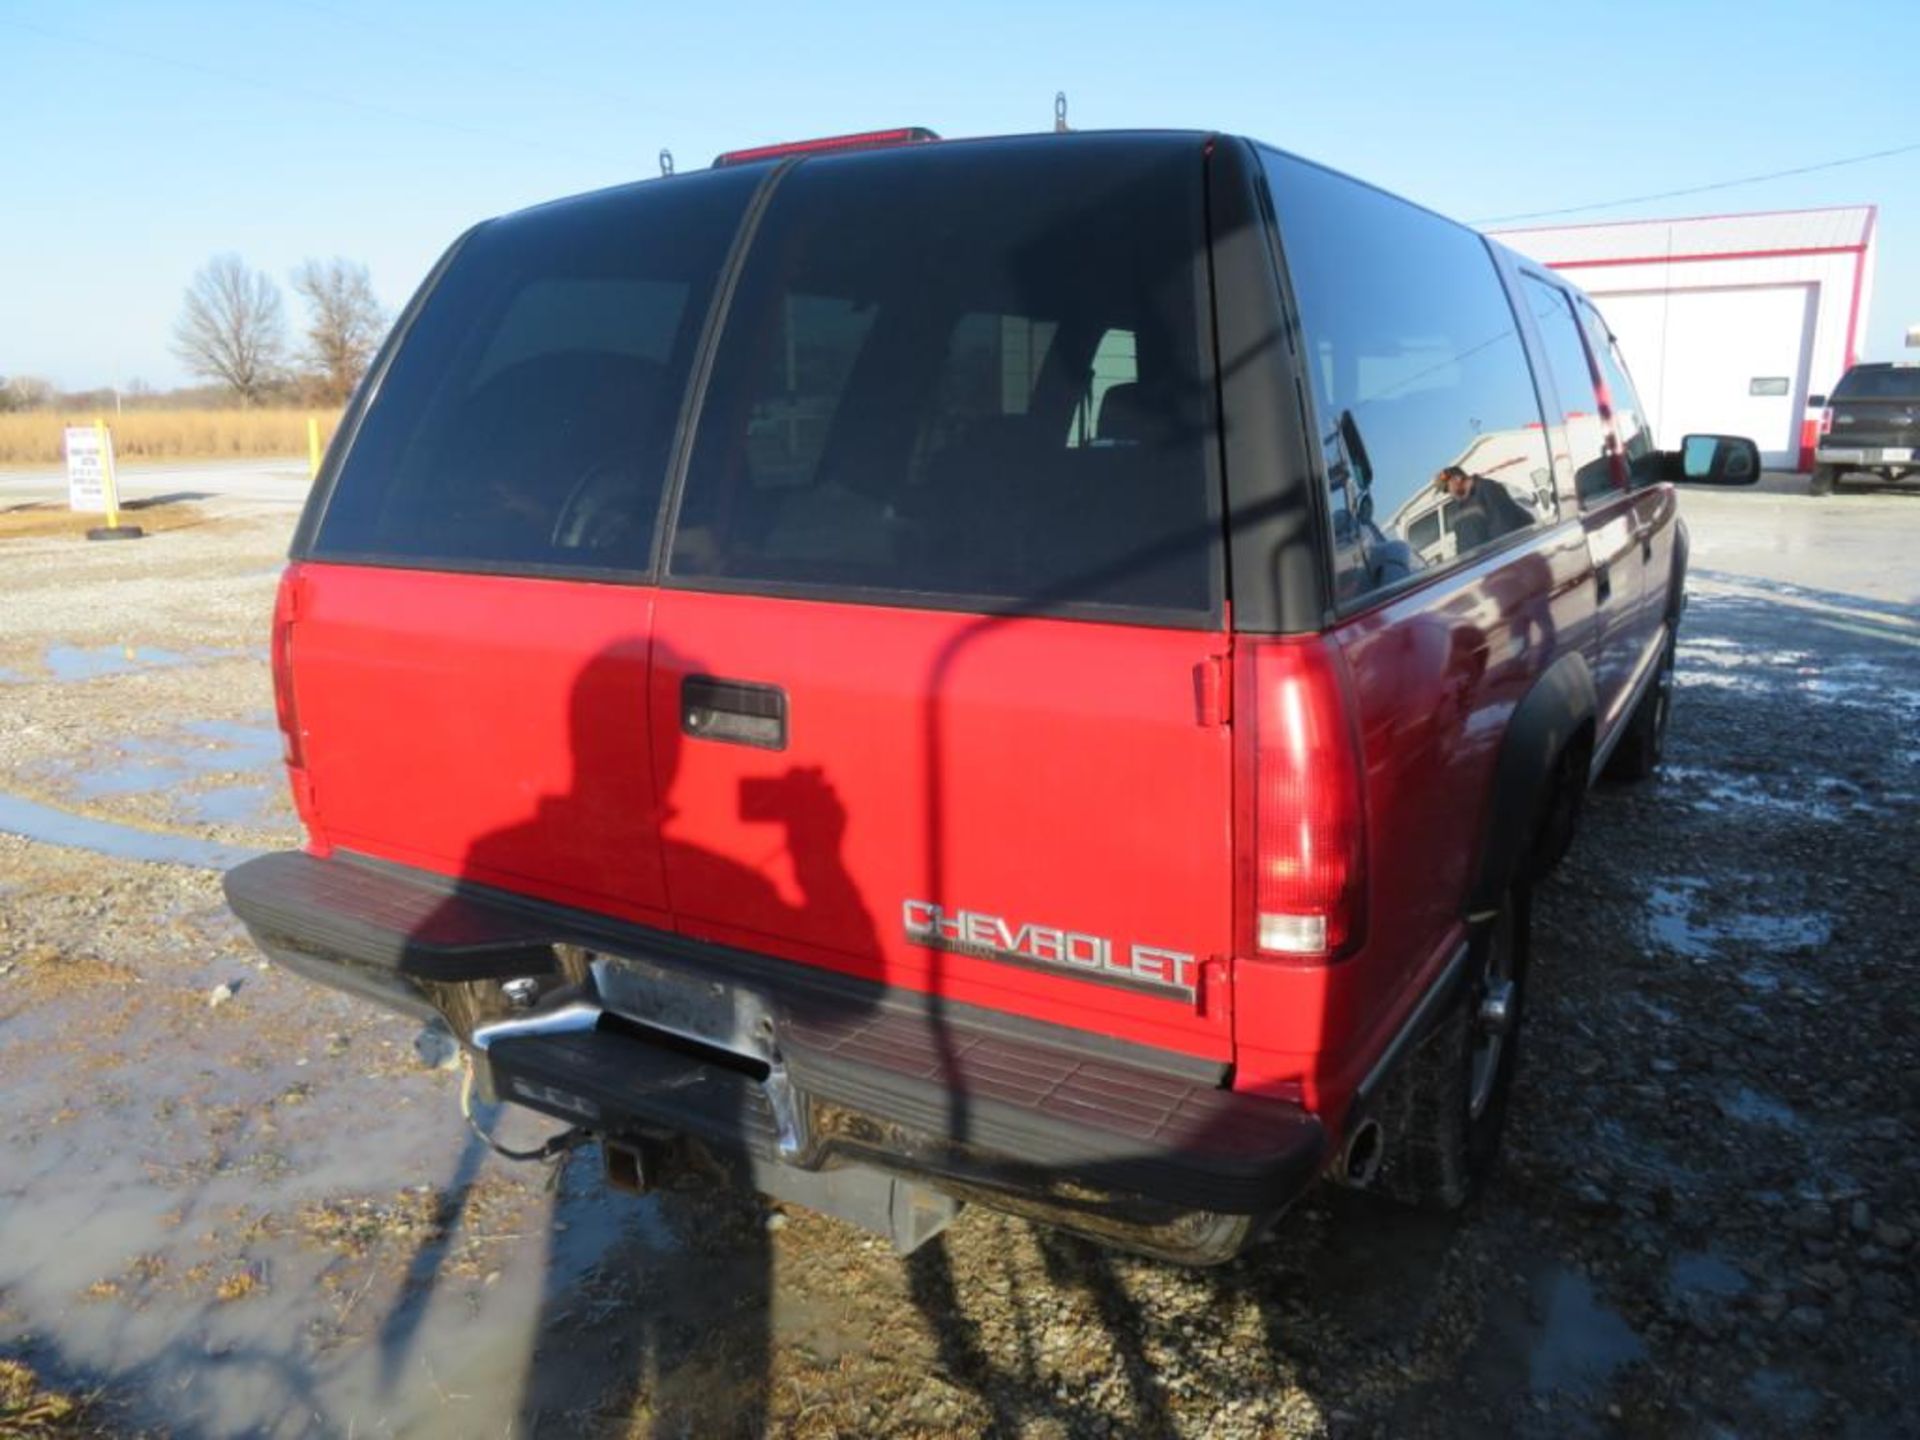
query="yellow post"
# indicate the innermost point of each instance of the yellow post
(313, 447)
(107, 486)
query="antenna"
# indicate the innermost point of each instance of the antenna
(1060, 112)
(666, 161)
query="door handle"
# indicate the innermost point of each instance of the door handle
(733, 712)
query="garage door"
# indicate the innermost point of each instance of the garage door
(1729, 362)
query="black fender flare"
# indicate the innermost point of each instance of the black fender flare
(1561, 702)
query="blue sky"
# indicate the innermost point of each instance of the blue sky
(141, 138)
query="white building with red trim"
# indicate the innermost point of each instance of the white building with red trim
(1731, 324)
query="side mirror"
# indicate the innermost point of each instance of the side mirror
(1817, 402)
(1716, 460)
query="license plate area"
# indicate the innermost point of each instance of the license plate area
(707, 1012)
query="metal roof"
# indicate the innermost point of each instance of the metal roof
(1772, 232)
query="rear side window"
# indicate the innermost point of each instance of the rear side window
(1581, 439)
(1886, 382)
(971, 375)
(1426, 406)
(1623, 401)
(526, 418)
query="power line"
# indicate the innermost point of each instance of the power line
(283, 90)
(1702, 189)
(420, 38)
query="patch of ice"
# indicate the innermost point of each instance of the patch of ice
(1751, 1107)
(1673, 925)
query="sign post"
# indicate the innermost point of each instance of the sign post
(90, 481)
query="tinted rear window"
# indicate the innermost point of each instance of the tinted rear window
(965, 373)
(1889, 383)
(526, 419)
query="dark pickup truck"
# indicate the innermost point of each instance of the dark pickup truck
(1871, 426)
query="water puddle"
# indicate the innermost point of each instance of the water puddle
(1750, 1107)
(1704, 1273)
(73, 663)
(1783, 1398)
(1723, 791)
(216, 1247)
(1674, 925)
(52, 826)
(169, 764)
(229, 805)
(78, 662)
(1578, 1342)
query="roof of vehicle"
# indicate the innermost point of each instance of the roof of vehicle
(856, 154)
(827, 153)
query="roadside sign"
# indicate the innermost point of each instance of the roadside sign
(89, 459)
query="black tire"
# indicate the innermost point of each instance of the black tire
(1825, 477)
(1638, 754)
(1444, 1110)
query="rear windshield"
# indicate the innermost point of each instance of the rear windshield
(965, 374)
(525, 422)
(1891, 382)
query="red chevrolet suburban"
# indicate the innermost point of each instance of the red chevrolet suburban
(1039, 671)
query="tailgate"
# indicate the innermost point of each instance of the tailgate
(1876, 424)
(1026, 814)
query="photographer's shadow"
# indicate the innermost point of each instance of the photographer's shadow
(669, 1323)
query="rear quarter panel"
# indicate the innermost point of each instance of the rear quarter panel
(1436, 673)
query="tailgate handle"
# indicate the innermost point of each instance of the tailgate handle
(733, 712)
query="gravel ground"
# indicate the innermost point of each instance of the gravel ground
(231, 1204)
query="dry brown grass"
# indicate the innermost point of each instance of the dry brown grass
(38, 437)
(26, 1409)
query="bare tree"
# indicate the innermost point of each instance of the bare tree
(233, 329)
(344, 323)
(25, 392)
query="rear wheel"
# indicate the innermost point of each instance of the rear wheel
(1638, 754)
(1824, 479)
(1445, 1109)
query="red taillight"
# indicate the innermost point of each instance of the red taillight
(285, 607)
(1304, 841)
(865, 140)
(1826, 422)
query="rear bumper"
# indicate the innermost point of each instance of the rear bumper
(639, 1033)
(1888, 456)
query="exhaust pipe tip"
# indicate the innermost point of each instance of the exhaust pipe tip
(1361, 1157)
